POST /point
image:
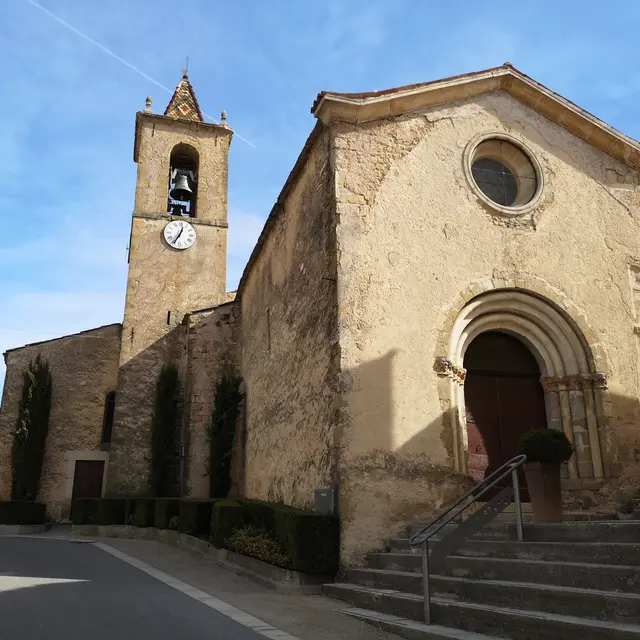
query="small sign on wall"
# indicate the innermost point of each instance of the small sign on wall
(324, 501)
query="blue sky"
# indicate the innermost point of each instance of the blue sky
(67, 111)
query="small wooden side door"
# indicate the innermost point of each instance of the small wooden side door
(87, 479)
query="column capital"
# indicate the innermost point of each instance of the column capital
(597, 380)
(447, 369)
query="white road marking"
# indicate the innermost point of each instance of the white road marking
(220, 606)
(11, 583)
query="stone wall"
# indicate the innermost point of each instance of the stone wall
(288, 344)
(130, 459)
(213, 349)
(415, 243)
(163, 283)
(84, 368)
(156, 136)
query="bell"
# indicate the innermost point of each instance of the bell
(181, 190)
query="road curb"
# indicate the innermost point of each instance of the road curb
(23, 529)
(282, 581)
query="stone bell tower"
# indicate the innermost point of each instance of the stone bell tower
(177, 263)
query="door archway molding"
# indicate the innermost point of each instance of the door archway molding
(572, 386)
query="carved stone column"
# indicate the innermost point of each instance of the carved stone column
(559, 388)
(579, 416)
(451, 385)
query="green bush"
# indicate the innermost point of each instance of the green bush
(546, 445)
(111, 511)
(164, 434)
(311, 541)
(227, 518)
(129, 510)
(84, 511)
(143, 512)
(32, 426)
(195, 516)
(262, 515)
(255, 543)
(22, 512)
(166, 509)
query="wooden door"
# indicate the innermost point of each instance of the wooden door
(87, 479)
(503, 398)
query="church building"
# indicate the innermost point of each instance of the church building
(448, 265)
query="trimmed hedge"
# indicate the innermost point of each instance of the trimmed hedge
(22, 512)
(307, 542)
(228, 517)
(111, 511)
(310, 541)
(84, 511)
(166, 508)
(195, 516)
(143, 512)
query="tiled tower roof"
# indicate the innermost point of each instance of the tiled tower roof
(184, 104)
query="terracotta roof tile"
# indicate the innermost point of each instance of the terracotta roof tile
(184, 104)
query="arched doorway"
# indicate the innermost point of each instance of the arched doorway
(503, 399)
(575, 395)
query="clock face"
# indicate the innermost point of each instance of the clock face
(179, 234)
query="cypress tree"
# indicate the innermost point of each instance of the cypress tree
(221, 431)
(32, 426)
(164, 434)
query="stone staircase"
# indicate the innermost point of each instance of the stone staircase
(578, 579)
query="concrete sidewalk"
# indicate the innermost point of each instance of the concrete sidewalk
(305, 617)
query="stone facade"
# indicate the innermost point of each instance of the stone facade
(213, 349)
(415, 244)
(379, 264)
(289, 342)
(84, 368)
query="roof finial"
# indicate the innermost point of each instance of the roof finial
(507, 64)
(223, 118)
(148, 103)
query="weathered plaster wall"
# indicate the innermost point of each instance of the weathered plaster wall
(163, 281)
(288, 345)
(213, 349)
(84, 368)
(414, 242)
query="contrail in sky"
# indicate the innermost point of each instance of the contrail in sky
(84, 36)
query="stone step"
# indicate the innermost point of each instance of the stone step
(563, 600)
(560, 573)
(411, 629)
(617, 553)
(584, 575)
(603, 553)
(603, 531)
(509, 515)
(517, 624)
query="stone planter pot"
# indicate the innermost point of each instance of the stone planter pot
(543, 482)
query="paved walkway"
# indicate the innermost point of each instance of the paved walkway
(129, 574)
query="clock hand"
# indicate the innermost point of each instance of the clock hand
(181, 230)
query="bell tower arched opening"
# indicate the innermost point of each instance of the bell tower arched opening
(183, 181)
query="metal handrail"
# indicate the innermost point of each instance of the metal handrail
(422, 537)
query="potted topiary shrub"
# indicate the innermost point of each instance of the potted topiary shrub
(546, 449)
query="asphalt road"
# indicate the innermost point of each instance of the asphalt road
(55, 589)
